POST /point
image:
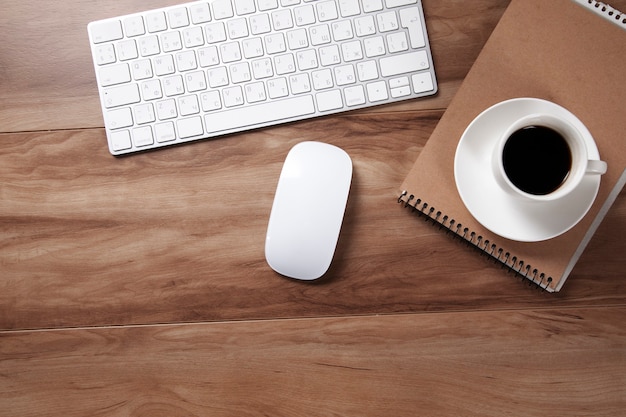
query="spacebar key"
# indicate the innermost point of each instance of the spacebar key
(260, 114)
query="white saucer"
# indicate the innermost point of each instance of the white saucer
(505, 214)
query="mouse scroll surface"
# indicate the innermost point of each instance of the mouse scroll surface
(308, 210)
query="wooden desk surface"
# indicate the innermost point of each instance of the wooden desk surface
(137, 286)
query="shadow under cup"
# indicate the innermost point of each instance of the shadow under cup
(542, 158)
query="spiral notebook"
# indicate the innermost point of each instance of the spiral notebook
(569, 52)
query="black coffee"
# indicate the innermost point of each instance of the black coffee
(537, 159)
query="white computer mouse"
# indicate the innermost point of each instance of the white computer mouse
(308, 210)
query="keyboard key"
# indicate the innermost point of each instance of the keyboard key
(164, 65)
(142, 136)
(166, 109)
(400, 92)
(121, 96)
(323, 79)
(260, 24)
(186, 60)
(345, 75)
(233, 96)
(178, 18)
(342, 30)
(410, 19)
(208, 56)
(398, 82)
(171, 41)
(252, 48)
(326, 11)
(151, 90)
(405, 63)
(304, 15)
(142, 69)
(372, 5)
(215, 32)
(367, 71)
(364, 26)
(237, 28)
(218, 77)
(299, 83)
(222, 9)
(320, 35)
(149, 45)
(307, 59)
(120, 140)
(397, 42)
(173, 86)
(105, 54)
(210, 101)
(262, 68)
(282, 19)
(116, 74)
(230, 52)
(106, 31)
(255, 92)
(265, 5)
(375, 46)
(164, 132)
(200, 13)
(191, 127)
(275, 43)
(329, 100)
(277, 88)
(156, 22)
(134, 26)
(297, 39)
(422, 82)
(349, 8)
(355, 96)
(119, 118)
(127, 50)
(188, 105)
(240, 73)
(329, 55)
(193, 37)
(352, 51)
(144, 113)
(377, 91)
(195, 81)
(244, 7)
(387, 21)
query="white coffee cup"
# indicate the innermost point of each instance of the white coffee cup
(531, 158)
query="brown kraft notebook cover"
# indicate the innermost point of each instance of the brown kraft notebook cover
(565, 51)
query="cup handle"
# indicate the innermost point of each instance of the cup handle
(595, 166)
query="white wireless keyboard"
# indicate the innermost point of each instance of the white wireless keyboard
(209, 68)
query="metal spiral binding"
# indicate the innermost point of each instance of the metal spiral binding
(606, 11)
(512, 263)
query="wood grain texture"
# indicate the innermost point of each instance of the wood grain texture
(569, 362)
(137, 286)
(178, 235)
